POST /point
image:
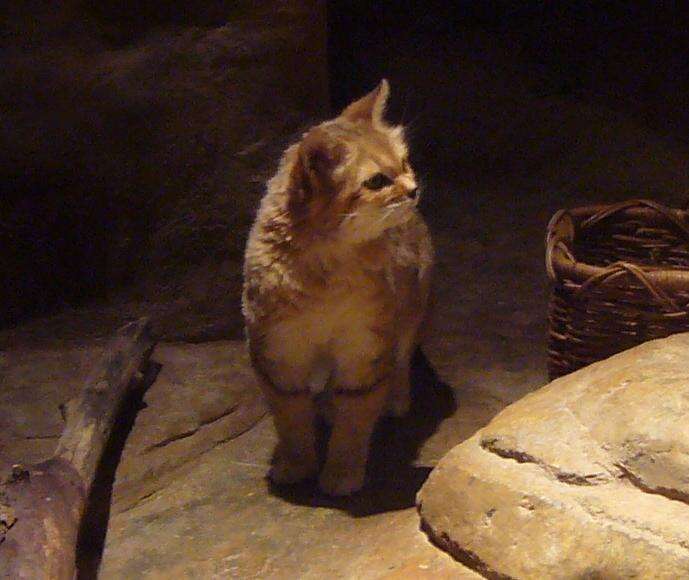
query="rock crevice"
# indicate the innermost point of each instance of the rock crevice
(669, 493)
(188, 433)
(567, 477)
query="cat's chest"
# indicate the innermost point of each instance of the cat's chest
(341, 313)
(352, 293)
(348, 295)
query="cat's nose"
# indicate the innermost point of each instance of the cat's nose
(413, 194)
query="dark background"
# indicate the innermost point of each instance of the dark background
(631, 53)
(135, 141)
(120, 174)
(630, 57)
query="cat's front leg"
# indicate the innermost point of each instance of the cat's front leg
(355, 416)
(294, 416)
(284, 361)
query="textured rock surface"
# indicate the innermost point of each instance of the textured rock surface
(203, 395)
(190, 498)
(587, 477)
(221, 519)
(147, 133)
(218, 517)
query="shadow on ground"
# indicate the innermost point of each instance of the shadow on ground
(392, 477)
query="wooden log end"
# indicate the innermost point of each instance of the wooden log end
(40, 511)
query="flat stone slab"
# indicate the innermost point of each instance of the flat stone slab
(218, 516)
(189, 495)
(587, 477)
(202, 396)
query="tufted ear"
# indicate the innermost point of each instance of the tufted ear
(313, 175)
(370, 107)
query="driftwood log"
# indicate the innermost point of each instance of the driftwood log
(41, 506)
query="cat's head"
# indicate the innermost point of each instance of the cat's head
(352, 177)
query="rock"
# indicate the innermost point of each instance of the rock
(190, 496)
(163, 124)
(220, 518)
(33, 385)
(204, 395)
(586, 477)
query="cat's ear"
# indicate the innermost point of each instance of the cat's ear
(314, 172)
(370, 107)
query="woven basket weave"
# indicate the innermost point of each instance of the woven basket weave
(620, 277)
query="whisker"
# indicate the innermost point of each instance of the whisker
(388, 213)
(396, 204)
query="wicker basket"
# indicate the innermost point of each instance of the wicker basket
(620, 277)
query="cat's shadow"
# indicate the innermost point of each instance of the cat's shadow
(392, 480)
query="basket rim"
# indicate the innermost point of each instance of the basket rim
(562, 228)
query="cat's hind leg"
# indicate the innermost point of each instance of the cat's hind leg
(411, 318)
(399, 397)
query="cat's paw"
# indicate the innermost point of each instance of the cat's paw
(285, 471)
(339, 482)
(397, 406)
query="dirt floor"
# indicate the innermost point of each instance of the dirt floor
(500, 153)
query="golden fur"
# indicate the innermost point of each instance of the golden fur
(337, 273)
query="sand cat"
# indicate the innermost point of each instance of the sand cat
(336, 282)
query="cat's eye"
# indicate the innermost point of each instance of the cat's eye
(378, 181)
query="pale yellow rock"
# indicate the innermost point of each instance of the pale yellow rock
(587, 477)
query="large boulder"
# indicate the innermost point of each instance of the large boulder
(586, 478)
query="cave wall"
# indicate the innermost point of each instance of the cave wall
(135, 142)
